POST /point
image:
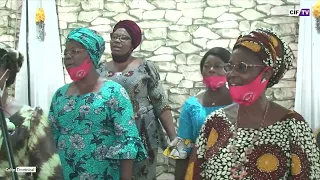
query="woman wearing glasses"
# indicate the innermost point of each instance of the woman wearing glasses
(92, 118)
(142, 81)
(196, 108)
(255, 138)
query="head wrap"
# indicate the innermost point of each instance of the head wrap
(9, 55)
(270, 48)
(133, 30)
(91, 40)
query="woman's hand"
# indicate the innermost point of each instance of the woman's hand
(168, 125)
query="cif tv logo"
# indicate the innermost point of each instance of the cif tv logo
(301, 12)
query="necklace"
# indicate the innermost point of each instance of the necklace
(238, 171)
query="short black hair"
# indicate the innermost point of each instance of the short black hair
(12, 60)
(220, 52)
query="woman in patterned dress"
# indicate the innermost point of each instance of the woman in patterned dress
(196, 108)
(142, 81)
(255, 138)
(92, 118)
(29, 131)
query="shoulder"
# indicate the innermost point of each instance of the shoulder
(217, 120)
(35, 115)
(62, 90)
(103, 64)
(219, 114)
(35, 112)
(294, 123)
(111, 85)
(107, 64)
(295, 120)
(150, 65)
(27, 110)
(215, 125)
(112, 88)
(191, 101)
(200, 96)
(103, 68)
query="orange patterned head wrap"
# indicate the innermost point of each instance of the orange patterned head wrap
(270, 48)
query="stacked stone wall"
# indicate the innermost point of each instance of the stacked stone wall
(176, 34)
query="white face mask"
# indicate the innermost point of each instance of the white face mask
(5, 83)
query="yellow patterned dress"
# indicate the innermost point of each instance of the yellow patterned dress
(32, 144)
(285, 150)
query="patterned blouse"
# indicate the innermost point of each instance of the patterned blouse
(32, 145)
(94, 132)
(148, 99)
(285, 150)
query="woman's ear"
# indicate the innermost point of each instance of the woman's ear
(268, 74)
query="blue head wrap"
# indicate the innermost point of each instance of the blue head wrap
(91, 40)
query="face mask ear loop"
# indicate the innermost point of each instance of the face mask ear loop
(3, 56)
(264, 79)
(4, 86)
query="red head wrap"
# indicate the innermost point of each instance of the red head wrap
(133, 29)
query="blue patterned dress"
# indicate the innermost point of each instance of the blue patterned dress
(191, 119)
(94, 132)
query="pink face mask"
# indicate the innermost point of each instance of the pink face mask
(81, 71)
(248, 94)
(214, 82)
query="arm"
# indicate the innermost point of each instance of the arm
(126, 169)
(43, 149)
(159, 101)
(128, 145)
(304, 151)
(185, 132)
(167, 123)
(52, 118)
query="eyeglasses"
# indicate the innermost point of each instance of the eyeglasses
(72, 52)
(209, 67)
(122, 38)
(240, 67)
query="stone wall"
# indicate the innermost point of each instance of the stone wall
(176, 33)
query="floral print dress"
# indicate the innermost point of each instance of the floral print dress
(285, 150)
(94, 132)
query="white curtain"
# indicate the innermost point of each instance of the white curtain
(46, 69)
(307, 101)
